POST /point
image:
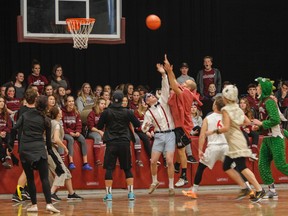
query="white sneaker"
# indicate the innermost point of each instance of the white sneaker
(51, 208)
(181, 182)
(33, 208)
(270, 195)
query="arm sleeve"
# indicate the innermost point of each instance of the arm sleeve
(164, 90)
(14, 133)
(79, 104)
(48, 136)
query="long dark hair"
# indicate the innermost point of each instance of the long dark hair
(41, 104)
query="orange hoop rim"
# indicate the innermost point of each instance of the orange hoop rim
(80, 20)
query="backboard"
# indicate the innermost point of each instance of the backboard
(44, 21)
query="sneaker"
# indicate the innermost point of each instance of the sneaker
(25, 195)
(251, 194)
(108, 197)
(71, 166)
(74, 196)
(270, 195)
(98, 163)
(16, 198)
(171, 192)
(153, 186)
(181, 182)
(6, 165)
(139, 163)
(190, 194)
(191, 159)
(87, 167)
(176, 167)
(54, 197)
(243, 193)
(51, 208)
(258, 196)
(131, 196)
(33, 208)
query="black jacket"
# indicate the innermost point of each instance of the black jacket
(116, 120)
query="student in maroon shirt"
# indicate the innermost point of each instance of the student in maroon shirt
(207, 76)
(13, 104)
(36, 78)
(72, 125)
(252, 99)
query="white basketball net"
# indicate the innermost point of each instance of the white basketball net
(80, 29)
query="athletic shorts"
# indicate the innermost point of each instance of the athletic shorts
(181, 138)
(164, 142)
(120, 151)
(213, 153)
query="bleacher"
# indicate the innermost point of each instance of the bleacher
(86, 180)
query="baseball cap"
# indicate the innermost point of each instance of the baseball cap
(118, 96)
(184, 64)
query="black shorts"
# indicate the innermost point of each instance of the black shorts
(181, 138)
(120, 151)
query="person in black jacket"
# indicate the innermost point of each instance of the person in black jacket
(32, 150)
(116, 120)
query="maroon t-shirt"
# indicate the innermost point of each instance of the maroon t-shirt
(208, 78)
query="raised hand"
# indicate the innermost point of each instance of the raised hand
(160, 68)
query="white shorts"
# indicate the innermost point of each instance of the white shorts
(213, 153)
(164, 142)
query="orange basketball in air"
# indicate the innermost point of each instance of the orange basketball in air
(153, 22)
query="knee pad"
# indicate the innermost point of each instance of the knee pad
(108, 174)
(128, 174)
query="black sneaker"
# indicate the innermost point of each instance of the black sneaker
(176, 167)
(54, 197)
(191, 159)
(25, 195)
(258, 196)
(243, 193)
(74, 196)
(16, 198)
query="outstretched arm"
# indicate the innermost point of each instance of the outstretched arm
(171, 76)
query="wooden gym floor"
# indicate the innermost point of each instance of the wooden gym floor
(212, 200)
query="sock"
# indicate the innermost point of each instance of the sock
(183, 174)
(154, 178)
(195, 188)
(171, 183)
(108, 190)
(248, 185)
(130, 188)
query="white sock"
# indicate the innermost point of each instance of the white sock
(248, 185)
(154, 178)
(108, 190)
(130, 188)
(195, 188)
(171, 183)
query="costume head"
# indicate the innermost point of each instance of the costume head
(266, 87)
(230, 92)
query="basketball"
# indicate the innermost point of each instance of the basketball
(153, 22)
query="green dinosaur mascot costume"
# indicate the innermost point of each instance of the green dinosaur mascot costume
(273, 145)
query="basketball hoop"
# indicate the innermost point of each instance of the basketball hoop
(80, 29)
